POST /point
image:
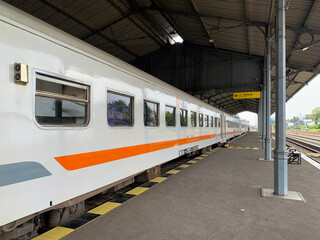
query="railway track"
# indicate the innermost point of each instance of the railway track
(305, 144)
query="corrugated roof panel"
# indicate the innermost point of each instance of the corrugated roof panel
(297, 12)
(226, 8)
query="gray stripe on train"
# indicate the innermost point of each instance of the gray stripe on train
(20, 172)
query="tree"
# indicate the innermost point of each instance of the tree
(294, 119)
(315, 115)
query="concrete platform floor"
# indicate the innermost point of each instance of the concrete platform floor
(217, 198)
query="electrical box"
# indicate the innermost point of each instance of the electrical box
(20, 73)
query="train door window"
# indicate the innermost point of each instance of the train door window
(60, 102)
(211, 121)
(183, 118)
(170, 116)
(193, 119)
(151, 113)
(215, 122)
(218, 122)
(206, 121)
(200, 120)
(119, 109)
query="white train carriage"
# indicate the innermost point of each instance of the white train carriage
(75, 121)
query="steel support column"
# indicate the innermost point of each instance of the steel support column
(260, 117)
(264, 107)
(267, 155)
(280, 153)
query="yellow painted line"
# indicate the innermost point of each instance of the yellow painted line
(104, 208)
(175, 171)
(209, 153)
(137, 190)
(158, 179)
(199, 158)
(42, 238)
(247, 148)
(184, 166)
(255, 148)
(204, 155)
(192, 161)
(55, 233)
(231, 147)
(239, 147)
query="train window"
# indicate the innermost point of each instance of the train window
(211, 121)
(200, 120)
(170, 116)
(60, 102)
(206, 121)
(215, 122)
(193, 119)
(151, 113)
(183, 118)
(218, 122)
(119, 109)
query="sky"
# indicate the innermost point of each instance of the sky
(307, 99)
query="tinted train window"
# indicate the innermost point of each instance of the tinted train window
(150, 115)
(206, 121)
(119, 109)
(170, 116)
(183, 117)
(61, 102)
(215, 122)
(211, 122)
(193, 119)
(200, 120)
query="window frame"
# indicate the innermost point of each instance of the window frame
(158, 113)
(174, 114)
(191, 112)
(201, 121)
(206, 120)
(211, 121)
(182, 109)
(132, 108)
(70, 82)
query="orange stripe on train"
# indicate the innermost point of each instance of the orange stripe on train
(233, 132)
(83, 160)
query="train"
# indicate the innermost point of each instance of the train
(76, 121)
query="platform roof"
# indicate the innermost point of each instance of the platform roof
(131, 29)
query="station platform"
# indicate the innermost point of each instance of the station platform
(216, 197)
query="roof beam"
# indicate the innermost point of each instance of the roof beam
(158, 40)
(194, 6)
(246, 22)
(124, 48)
(302, 47)
(246, 9)
(155, 5)
(112, 23)
(304, 69)
(304, 26)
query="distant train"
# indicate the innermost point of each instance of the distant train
(76, 121)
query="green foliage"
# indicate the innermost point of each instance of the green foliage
(315, 115)
(294, 119)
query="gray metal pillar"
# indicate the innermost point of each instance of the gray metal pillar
(280, 154)
(268, 99)
(264, 106)
(260, 116)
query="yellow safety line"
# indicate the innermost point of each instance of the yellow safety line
(104, 208)
(184, 166)
(158, 179)
(191, 161)
(137, 190)
(173, 171)
(55, 233)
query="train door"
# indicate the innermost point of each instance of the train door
(225, 127)
(221, 127)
